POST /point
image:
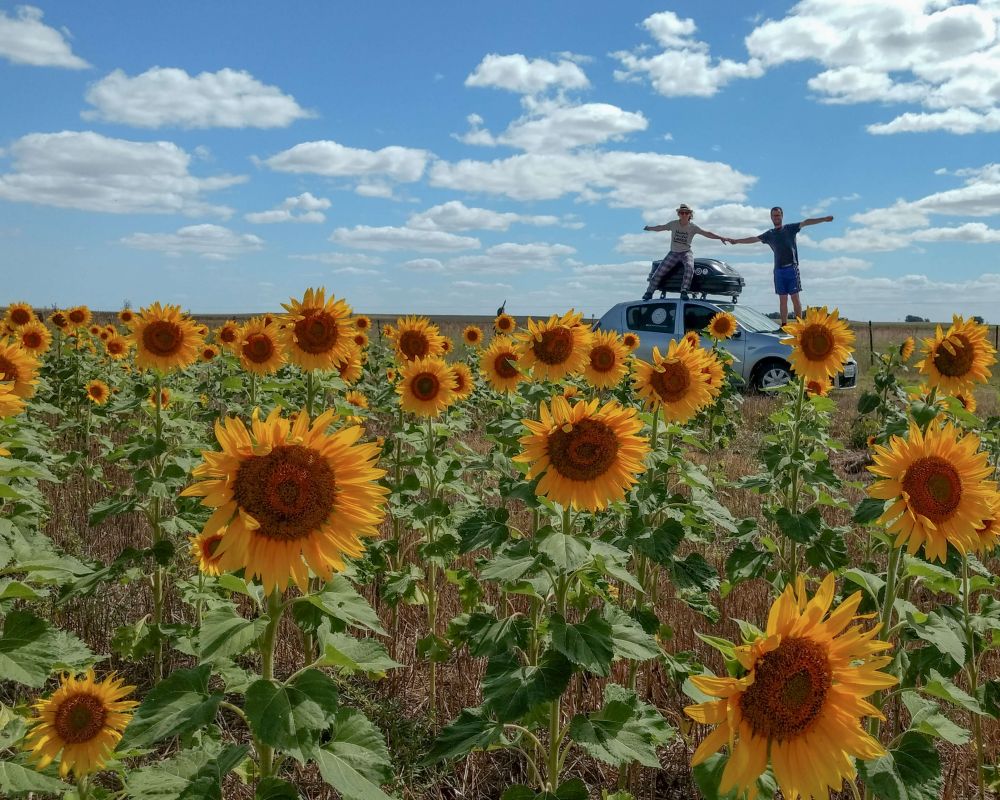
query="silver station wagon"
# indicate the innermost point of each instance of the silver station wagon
(761, 359)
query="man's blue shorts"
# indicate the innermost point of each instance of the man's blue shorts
(786, 280)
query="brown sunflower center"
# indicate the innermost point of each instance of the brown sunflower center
(32, 340)
(816, 342)
(163, 338)
(413, 344)
(460, 383)
(502, 365)
(8, 370)
(472, 336)
(585, 452)
(934, 487)
(77, 317)
(80, 718)
(115, 347)
(210, 545)
(957, 364)
(425, 386)
(228, 335)
(96, 391)
(20, 316)
(258, 348)
(290, 491)
(317, 332)
(790, 686)
(505, 324)
(59, 320)
(673, 383)
(554, 347)
(602, 358)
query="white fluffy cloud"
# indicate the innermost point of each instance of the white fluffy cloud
(168, 96)
(365, 237)
(332, 159)
(348, 259)
(303, 208)
(511, 257)
(209, 241)
(456, 216)
(516, 73)
(25, 39)
(685, 67)
(88, 171)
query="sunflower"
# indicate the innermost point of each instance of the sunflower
(587, 456)
(497, 364)
(570, 391)
(83, 719)
(417, 337)
(117, 347)
(906, 348)
(606, 363)
(555, 348)
(722, 326)
(19, 314)
(464, 382)
(693, 338)
(98, 392)
(104, 335)
(426, 386)
(989, 534)
(816, 388)
(631, 341)
(390, 375)
(94, 330)
(938, 486)
(34, 337)
(126, 317)
(356, 399)
(801, 700)
(78, 317)
(968, 401)
(674, 381)
(472, 335)
(205, 551)
(164, 398)
(821, 344)
(10, 404)
(714, 372)
(360, 339)
(59, 320)
(956, 359)
(504, 324)
(317, 335)
(18, 366)
(362, 323)
(228, 335)
(258, 345)
(208, 352)
(289, 497)
(350, 369)
(164, 338)
(447, 345)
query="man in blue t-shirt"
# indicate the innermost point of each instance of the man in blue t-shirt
(781, 240)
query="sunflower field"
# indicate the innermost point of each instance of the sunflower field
(303, 555)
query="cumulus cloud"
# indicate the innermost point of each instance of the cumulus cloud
(403, 164)
(349, 259)
(209, 241)
(512, 257)
(88, 171)
(365, 237)
(684, 68)
(424, 265)
(456, 216)
(25, 39)
(167, 96)
(517, 73)
(303, 208)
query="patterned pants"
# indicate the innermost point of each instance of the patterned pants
(670, 261)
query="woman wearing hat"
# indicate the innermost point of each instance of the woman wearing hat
(682, 231)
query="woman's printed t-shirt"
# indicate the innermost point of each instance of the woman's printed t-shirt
(782, 242)
(681, 235)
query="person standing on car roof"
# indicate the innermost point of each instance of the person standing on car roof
(781, 240)
(682, 231)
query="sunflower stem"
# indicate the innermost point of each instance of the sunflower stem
(973, 671)
(310, 391)
(158, 572)
(793, 496)
(432, 600)
(252, 390)
(275, 607)
(885, 627)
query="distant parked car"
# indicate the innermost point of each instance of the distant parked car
(761, 359)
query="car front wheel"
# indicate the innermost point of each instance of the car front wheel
(770, 375)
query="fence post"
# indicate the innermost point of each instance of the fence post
(996, 336)
(871, 344)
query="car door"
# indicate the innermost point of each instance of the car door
(697, 315)
(656, 323)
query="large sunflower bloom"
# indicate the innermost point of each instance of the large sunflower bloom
(555, 348)
(607, 360)
(674, 381)
(98, 392)
(83, 719)
(472, 335)
(258, 345)
(800, 702)
(164, 338)
(956, 359)
(19, 367)
(290, 497)
(417, 337)
(587, 456)
(426, 386)
(34, 337)
(464, 381)
(496, 365)
(19, 314)
(938, 486)
(821, 344)
(318, 334)
(722, 326)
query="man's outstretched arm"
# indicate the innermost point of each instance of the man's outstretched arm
(655, 227)
(815, 221)
(744, 240)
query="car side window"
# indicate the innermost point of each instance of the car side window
(655, 317)
(697, 317)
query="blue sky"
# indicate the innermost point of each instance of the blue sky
(442, 157)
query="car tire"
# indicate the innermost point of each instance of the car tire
(769, 375)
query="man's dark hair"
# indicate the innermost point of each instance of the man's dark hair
(778, 208)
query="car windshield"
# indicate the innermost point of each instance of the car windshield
(752, 320)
